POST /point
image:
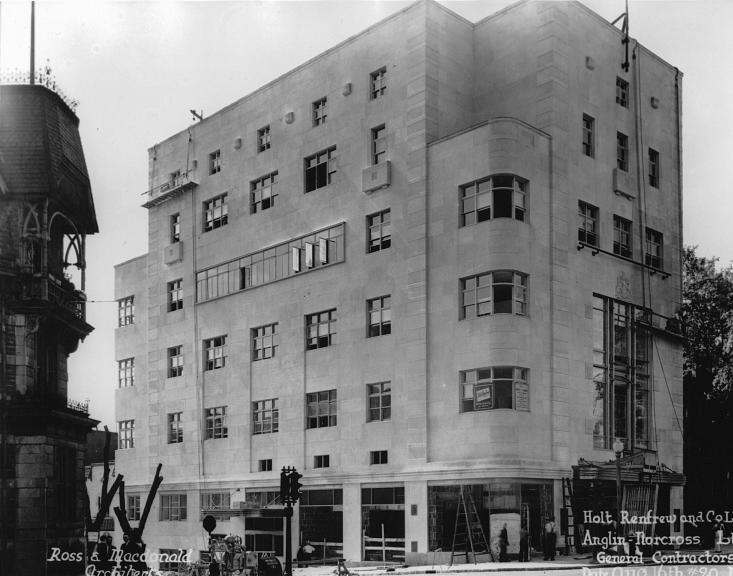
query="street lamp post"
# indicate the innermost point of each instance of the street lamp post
(618, 448)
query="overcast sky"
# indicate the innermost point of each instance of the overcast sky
(137, 68)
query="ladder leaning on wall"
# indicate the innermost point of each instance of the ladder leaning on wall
(468, 533)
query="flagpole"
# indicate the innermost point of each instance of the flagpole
(33, 42)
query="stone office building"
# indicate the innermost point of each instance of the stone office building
(439, 254)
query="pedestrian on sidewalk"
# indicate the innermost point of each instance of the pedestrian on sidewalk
(523, 544)
(503, 543)
(550, 538)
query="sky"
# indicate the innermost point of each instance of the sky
(137, 68)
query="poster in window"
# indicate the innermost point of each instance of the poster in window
(521, 396)
(483, 398)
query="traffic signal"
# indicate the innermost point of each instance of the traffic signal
(284, 485)
(295, 485)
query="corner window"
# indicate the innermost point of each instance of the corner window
(379, 396)
(126, 373)
(214, 353)
(621, 236)
(653, 249)
(622, 151)
(175, 295)
(379, 314)
(320, 111)
(319, 169)
(589, 136)
(494, 388)
(622, 92)
(497, 292)
(378, 83)
(379, 144)
(263, 139)
(500, 196)
(175, 361)
(587, 223)
(263, 192)
(264, 342)
(265, 416)
(175, 427)
(215, 213)
(215, 162)
(216, 423)
(379, 235)
(321, 409)
(653, 168)
(320, 329)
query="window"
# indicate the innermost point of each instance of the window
(126, 372)
(379, 316)
(622, 151)
(589, 136)
(215, 213)
(320, 329)
(622, 92)
(621, 236)
(378, 231)
(379, 144)
(133, 507)
(501, 196)
(263, 139)
(322, 461)
(264, 342)
(653, 249)
(175, 295)
(175, 361)
(215, 162)
(175, 228)
(216, 423)
(587, 223)
(173, 507)
(126, 434)
(211, 501)
(498, 292)
(621, 373)
(379, 396)
(320, 111)
(321, 409)
(653, 168)
(265, 416)
(319, 169)
(214, 357)
(169, 559)
(378, 83)
(378, 457)
(175, 427)
(126, 311)
(265, 465)
(263, 192)
(494, 388)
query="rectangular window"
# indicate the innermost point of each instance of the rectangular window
(126, 311)
(175, 228)
(494, 388)
(320, 329)
(321, 461)
(263, 139)
(214, 357)
(133, 507)
(216, 423)
(378, 457)
(169, 559)
(175, 361)
(589, 136)
(173, 507)
(265, 341)
(622, 92)
(215, 162)
(216, 213)
(319, 169)
(126, 372)
(175, 295)
(265, 416)
(497, 292)
(621, 236)
(216, 502)
(500, 196)
(653, 249)
(321, 409)
(378, 83)
(379, 144)
(379, 235)
(265, 465)
(587, 223)
(379, 396)
(263, 192)
(320, 111)
(379, 316)
(653, 168)
(175, 427)
(622, 151)
(126, 434)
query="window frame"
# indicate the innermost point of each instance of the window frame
(321, 461)
(174, 427)
(126, 372)
(479, 284)
(622, 92)
(383, 325)
(265, 416)
(654, 242)
(174, 355)
(133, 507)
(488, 381)
(378, 144)
(215, 162)
(325, 176)
(319, 111)
(383, 241)
(622, 151)
(175, 227)
(619, 232)
(264, 141)
(378, 457)
(260, 337)
(257, 187)
(492, 191)
(215, 419)
(588, 213)
(653, 160)
(215, 213)
(589, 136)
(173, 502)
(314, 320)
(324, 404)
(264, 465)
(125, 434)
(174, 290)
(126, 311)
(214, 352)
(381, 411)
(378, 83)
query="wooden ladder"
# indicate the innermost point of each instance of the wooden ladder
(567, 504)
(468, 533)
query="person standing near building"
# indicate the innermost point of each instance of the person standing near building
(550, 539)
(523, 544)
(503, 543)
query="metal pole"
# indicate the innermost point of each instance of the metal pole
(33, 43)
(618, 486)
(286, 541)
(384, 551)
